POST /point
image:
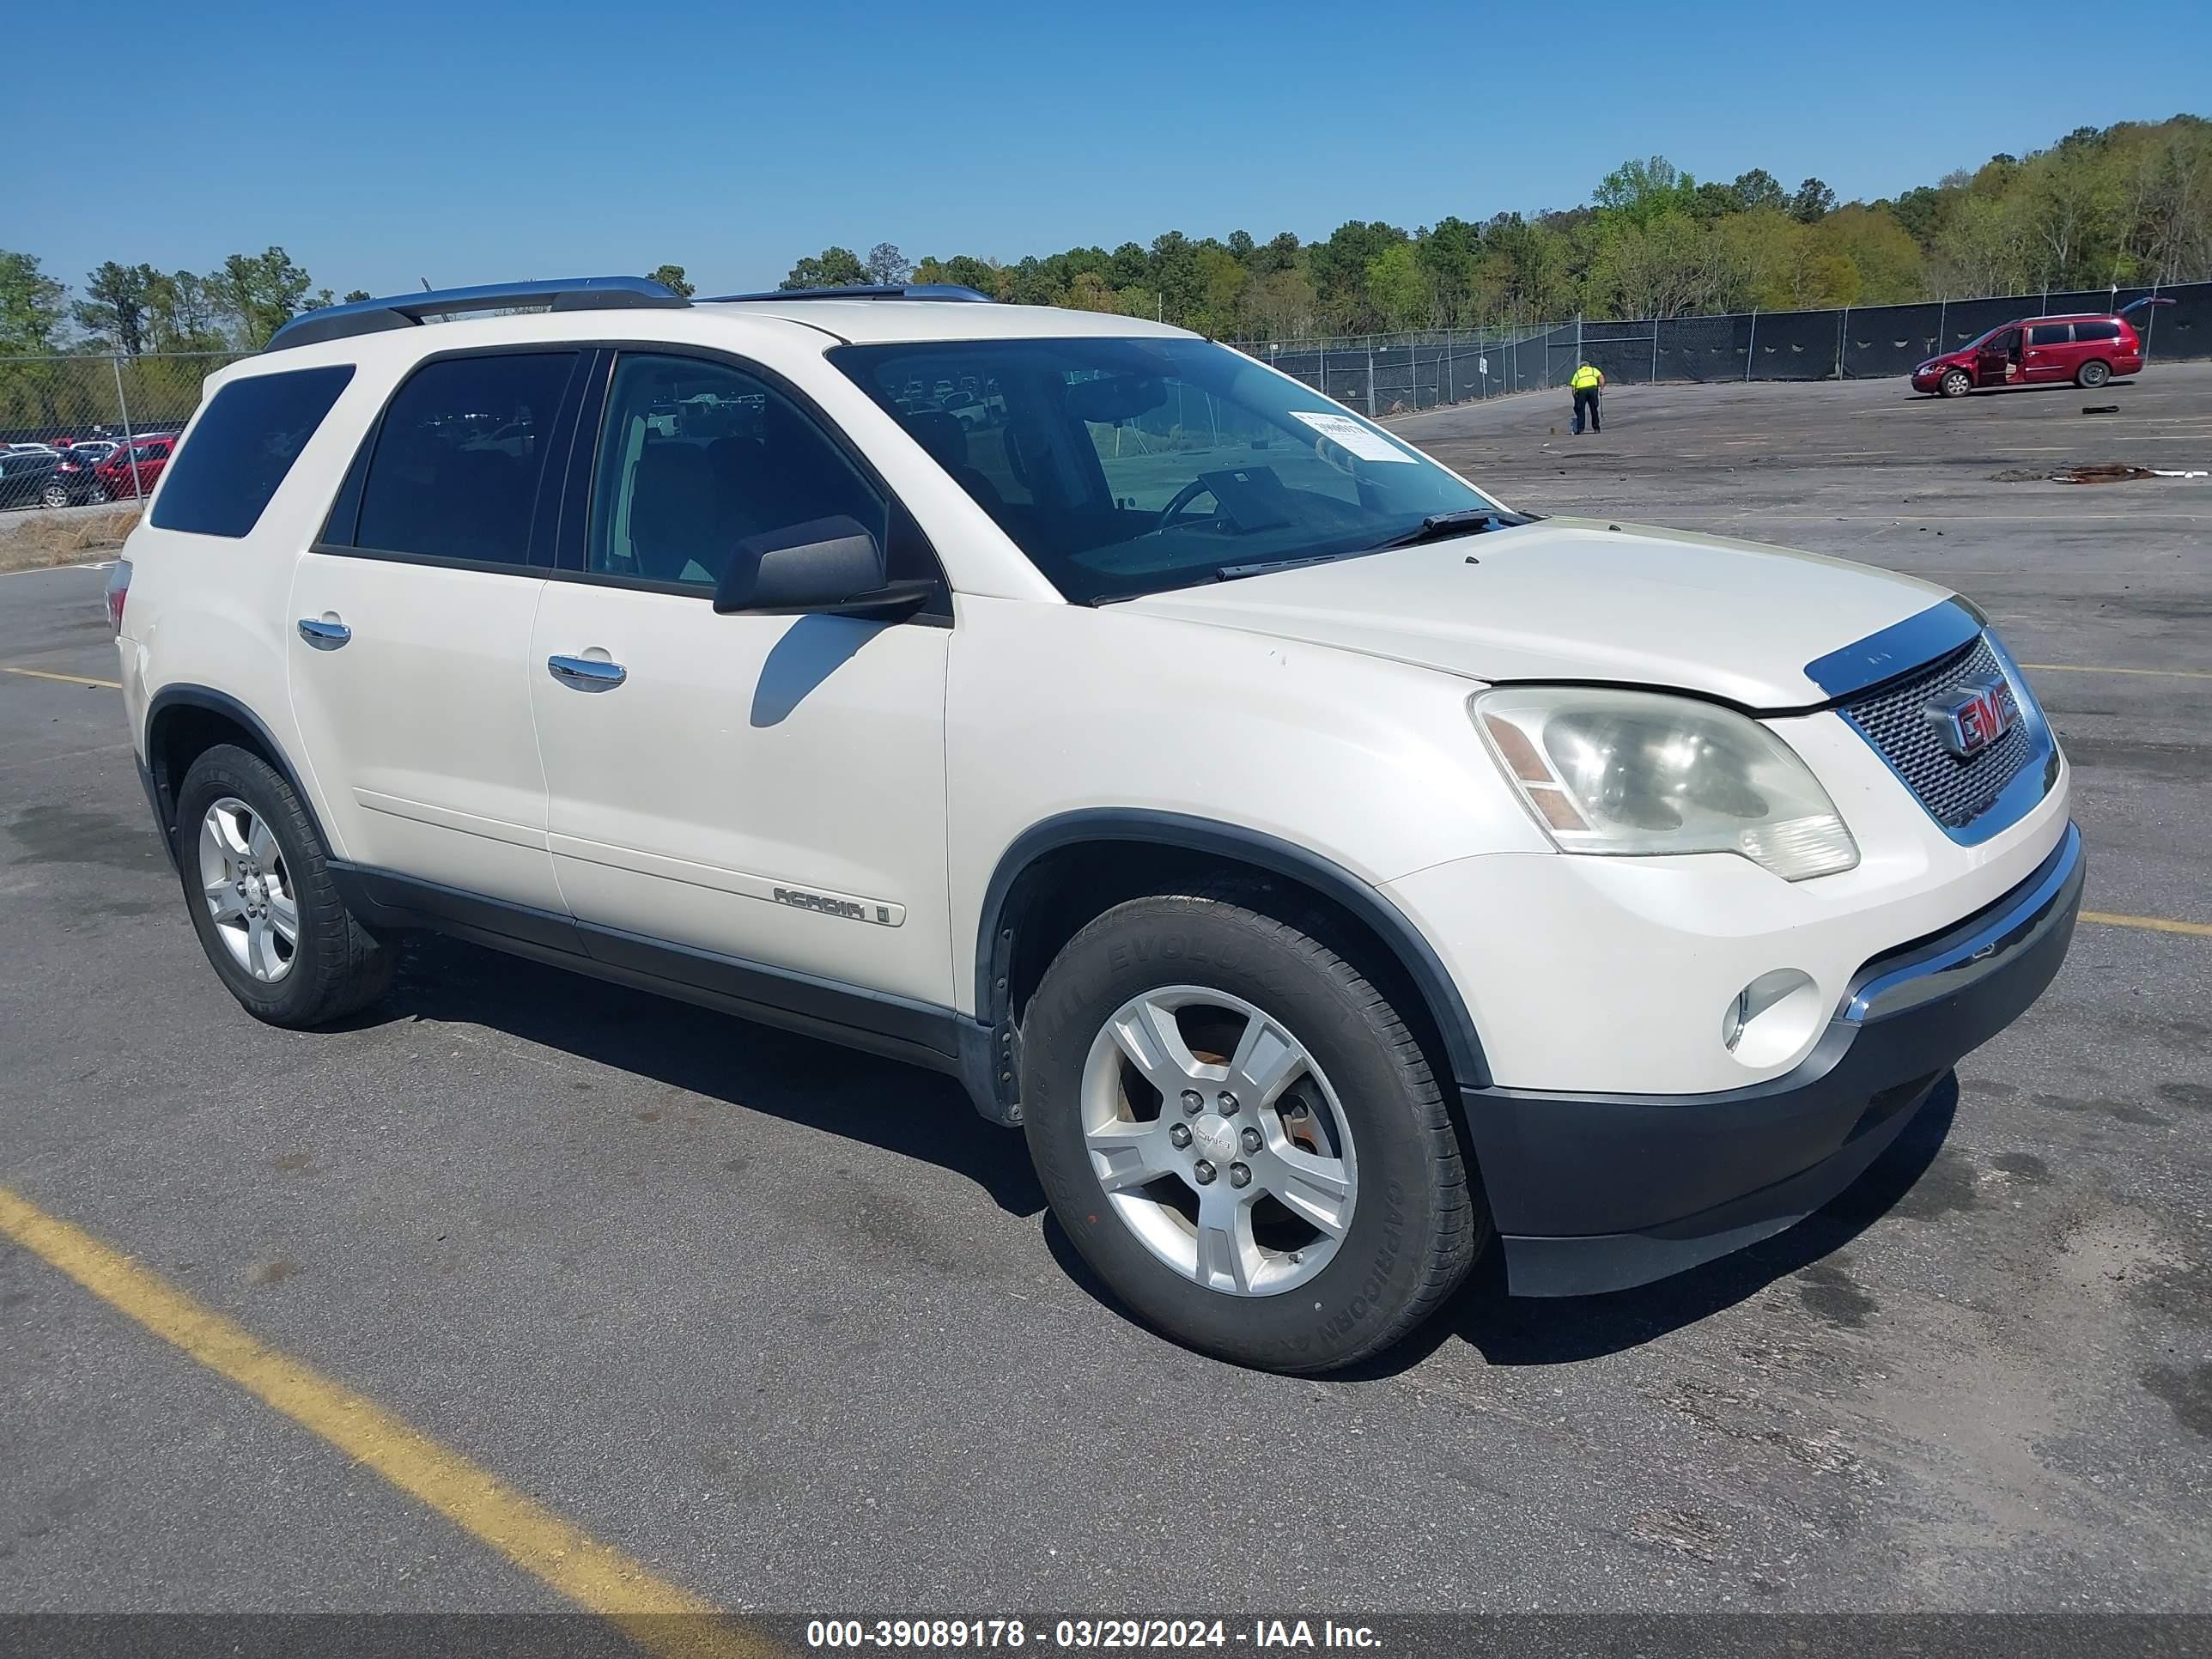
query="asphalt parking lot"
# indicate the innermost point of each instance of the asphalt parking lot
(790, 1328)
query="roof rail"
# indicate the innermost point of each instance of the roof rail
(874, 291)
(405, 310)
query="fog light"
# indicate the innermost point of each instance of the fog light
(1773, 1019)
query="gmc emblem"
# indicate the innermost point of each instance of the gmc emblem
(1972, 718)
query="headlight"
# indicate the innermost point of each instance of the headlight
(1640, 773)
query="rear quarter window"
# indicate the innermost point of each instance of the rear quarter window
(2096, 331)
(242, 447)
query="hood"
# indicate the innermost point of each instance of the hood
(1578, 599)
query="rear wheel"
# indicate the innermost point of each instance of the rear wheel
(2092, 373)
(55, 495)
(262, 900)
(1242, 1137)
(1955, 383)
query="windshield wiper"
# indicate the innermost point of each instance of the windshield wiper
(1468, 521)
(1230, 572)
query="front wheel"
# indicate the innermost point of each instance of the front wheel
(1242, 1137)
(1955, 383)
(2092, 374)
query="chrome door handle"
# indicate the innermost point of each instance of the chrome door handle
(324, 636)
(587, 673)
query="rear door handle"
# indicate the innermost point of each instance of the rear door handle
(587, 673)
(324, 636)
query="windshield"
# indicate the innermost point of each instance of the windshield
(1124, 466)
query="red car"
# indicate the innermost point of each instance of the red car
(149, 454)
(2087, 349)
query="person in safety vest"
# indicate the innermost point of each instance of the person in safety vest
(1586, 382)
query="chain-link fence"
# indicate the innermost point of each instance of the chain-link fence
(86, 427)
(1399, 374)
(82, 429)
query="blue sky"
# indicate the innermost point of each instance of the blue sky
(471, 143)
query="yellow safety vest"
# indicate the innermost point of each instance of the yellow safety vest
(1586, 377)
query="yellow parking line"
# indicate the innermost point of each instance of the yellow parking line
(2093, 668)
(597, 1578)
(66, 679)
(2156, 924)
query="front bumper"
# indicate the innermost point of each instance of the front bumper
(1598, 1192)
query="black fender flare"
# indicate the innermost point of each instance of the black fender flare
(1446, 1008)
(163, 787)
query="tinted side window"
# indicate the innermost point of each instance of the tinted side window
(455, 471)
(2096, 331)
(695, 456)
(2051, 334)
(247, 438)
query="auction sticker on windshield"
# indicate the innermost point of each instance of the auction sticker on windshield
(1347, 433)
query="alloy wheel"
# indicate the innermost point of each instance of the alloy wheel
(248, 891)
(1218, 1140)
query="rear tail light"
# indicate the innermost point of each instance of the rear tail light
(119, 590)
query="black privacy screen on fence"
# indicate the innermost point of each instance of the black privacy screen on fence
(1397, 373)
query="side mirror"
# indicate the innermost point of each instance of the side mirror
(833, 565)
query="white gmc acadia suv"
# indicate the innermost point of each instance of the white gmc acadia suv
(1328, 867)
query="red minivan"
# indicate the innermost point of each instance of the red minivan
(147, 456)
(2087, 349)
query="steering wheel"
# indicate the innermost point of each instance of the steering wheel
(1183, 497)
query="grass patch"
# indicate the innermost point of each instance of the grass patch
(37, 540)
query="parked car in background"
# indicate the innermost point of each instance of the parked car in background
(23, 474)
(2088, 350)
(76, 480)
(147, 456)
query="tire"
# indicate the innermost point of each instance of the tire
(1955, 383)
(97, 495)
(2092, 373)
(55, 495)
(1354, 1129)
(247, 850)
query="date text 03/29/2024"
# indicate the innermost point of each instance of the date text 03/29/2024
(1261, 1635)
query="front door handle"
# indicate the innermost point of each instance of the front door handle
(587, 673)
(324, 633)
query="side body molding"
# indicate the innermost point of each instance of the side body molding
(994, 939)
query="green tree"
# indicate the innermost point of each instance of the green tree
(1890, 267)
(1339, 268)
(671, 277)
(182, 314)
(1175, 276)
(1758, 189)
(258, 293)
(114, 309)
(1278, 252)
(986, 276)
(1222, 282)
(1921, 210)
(1813, 201)
(355, 295)
(1398, 287)
(1450, 253)
(31, 308)
(834, 267)
(886, 265)
(1639, 191)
